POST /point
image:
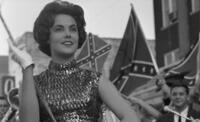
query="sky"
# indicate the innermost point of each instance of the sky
(105, 18)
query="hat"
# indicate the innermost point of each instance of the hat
(176, 80)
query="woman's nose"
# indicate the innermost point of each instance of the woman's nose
(67, 33)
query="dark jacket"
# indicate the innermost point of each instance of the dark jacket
(169, 117)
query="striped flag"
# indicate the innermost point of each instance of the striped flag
(93, 53)
(189, 64)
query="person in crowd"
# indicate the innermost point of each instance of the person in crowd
(12, 112)
(179, 96)
(64, 92)
(195, 95)
(165, 91)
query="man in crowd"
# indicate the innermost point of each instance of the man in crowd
(179, 96)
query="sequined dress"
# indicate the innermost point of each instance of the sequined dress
(70, 92)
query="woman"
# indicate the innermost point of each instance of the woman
(65, 92)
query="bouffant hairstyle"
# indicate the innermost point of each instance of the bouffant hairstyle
(46, 18)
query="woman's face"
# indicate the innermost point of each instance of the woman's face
(63, 36)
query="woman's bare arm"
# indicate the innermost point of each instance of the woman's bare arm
(29, 108)
(112, 98)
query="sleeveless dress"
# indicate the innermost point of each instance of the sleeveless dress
(68, 93)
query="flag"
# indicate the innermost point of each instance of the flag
(134, 65)
(93, 53)
(189, 64)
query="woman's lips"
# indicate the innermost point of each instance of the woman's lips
(67, 43)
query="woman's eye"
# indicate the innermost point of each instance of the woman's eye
(58, 29)
(74, 29)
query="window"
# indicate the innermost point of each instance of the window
(169, 12)
(195, 6)
(172, 6)
(171, 57)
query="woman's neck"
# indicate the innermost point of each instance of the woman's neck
(62, 60)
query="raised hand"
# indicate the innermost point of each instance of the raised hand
(20, 56)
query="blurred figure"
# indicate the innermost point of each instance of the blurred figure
(13, 111)
(108, 115)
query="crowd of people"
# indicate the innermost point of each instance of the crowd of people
(67, 93)
(179, 103)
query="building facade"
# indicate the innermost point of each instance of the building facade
(177, 27)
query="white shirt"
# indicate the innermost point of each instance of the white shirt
(183, 113)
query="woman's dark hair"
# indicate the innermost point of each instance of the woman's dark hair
(46, 18)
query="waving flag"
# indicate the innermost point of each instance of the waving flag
(189, 64)
(134, 65)
(93, 53)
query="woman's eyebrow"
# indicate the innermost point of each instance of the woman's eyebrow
(73, 25)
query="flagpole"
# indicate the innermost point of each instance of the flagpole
(152, 57)
(198, 69)
(198, 66)
(198, 61)
(5, 26)
(142, 91)
(136, 27)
